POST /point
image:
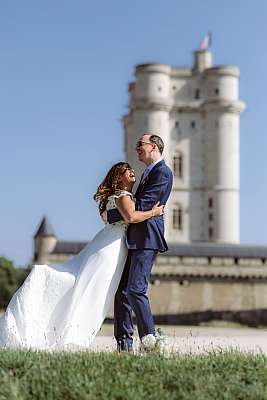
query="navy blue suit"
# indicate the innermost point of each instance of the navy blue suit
(144, 240)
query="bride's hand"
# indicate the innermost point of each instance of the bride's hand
(157, 209)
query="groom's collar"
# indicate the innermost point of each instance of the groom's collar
(148, 170)
(150, 166)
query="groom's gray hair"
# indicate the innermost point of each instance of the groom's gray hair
(158, 141)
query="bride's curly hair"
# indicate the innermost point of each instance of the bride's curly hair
(110, 184)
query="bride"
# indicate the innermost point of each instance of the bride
(64, 305)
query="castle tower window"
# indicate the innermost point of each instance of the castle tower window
(176, 124)
(178, 165)
(210, 217)
(210, 202)
(193, 124)
(177, 219)
(197, 94)
(210, 233)
(217, 91)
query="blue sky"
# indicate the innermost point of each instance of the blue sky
(64, 71)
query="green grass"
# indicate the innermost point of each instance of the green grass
(225, 375)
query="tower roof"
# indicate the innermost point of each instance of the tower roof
(45, 228)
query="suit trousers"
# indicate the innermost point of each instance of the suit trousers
(131, 296)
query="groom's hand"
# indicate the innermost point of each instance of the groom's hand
(158, 209)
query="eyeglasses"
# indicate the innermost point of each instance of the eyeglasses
(140, 144)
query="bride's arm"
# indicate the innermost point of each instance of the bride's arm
(126, 207)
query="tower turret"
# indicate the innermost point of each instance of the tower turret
(202, 60)
(221, 110)
(44, 241)
(149, 108)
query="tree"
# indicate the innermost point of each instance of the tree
(10, 279)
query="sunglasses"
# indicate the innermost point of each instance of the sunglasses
(140, 144)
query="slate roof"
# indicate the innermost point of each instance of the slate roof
(67, 247)
(44, 229)
(185, 250)
(216, 250)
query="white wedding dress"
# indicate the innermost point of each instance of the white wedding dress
(63, 306)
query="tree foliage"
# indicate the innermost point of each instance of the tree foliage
(10, 279)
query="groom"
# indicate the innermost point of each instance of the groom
(143, 240)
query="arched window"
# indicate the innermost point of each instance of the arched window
(178, 165)
(177, 218)
(197, 94)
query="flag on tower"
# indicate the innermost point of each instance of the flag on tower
(206, 42)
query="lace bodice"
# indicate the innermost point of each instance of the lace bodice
(111, 204)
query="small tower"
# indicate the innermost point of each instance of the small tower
(44, 242)
(202, 60)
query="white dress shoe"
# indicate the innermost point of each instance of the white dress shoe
(148, 341)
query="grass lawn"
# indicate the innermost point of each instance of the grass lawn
(37, 375)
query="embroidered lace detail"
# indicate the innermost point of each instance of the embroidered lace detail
(111, 204)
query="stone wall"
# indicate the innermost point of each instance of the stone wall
(195, 289)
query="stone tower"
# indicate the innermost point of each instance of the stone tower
(44, 242)
(196, 112)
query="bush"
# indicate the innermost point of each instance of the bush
(10, 279)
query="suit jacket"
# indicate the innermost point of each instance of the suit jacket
(148, 234)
